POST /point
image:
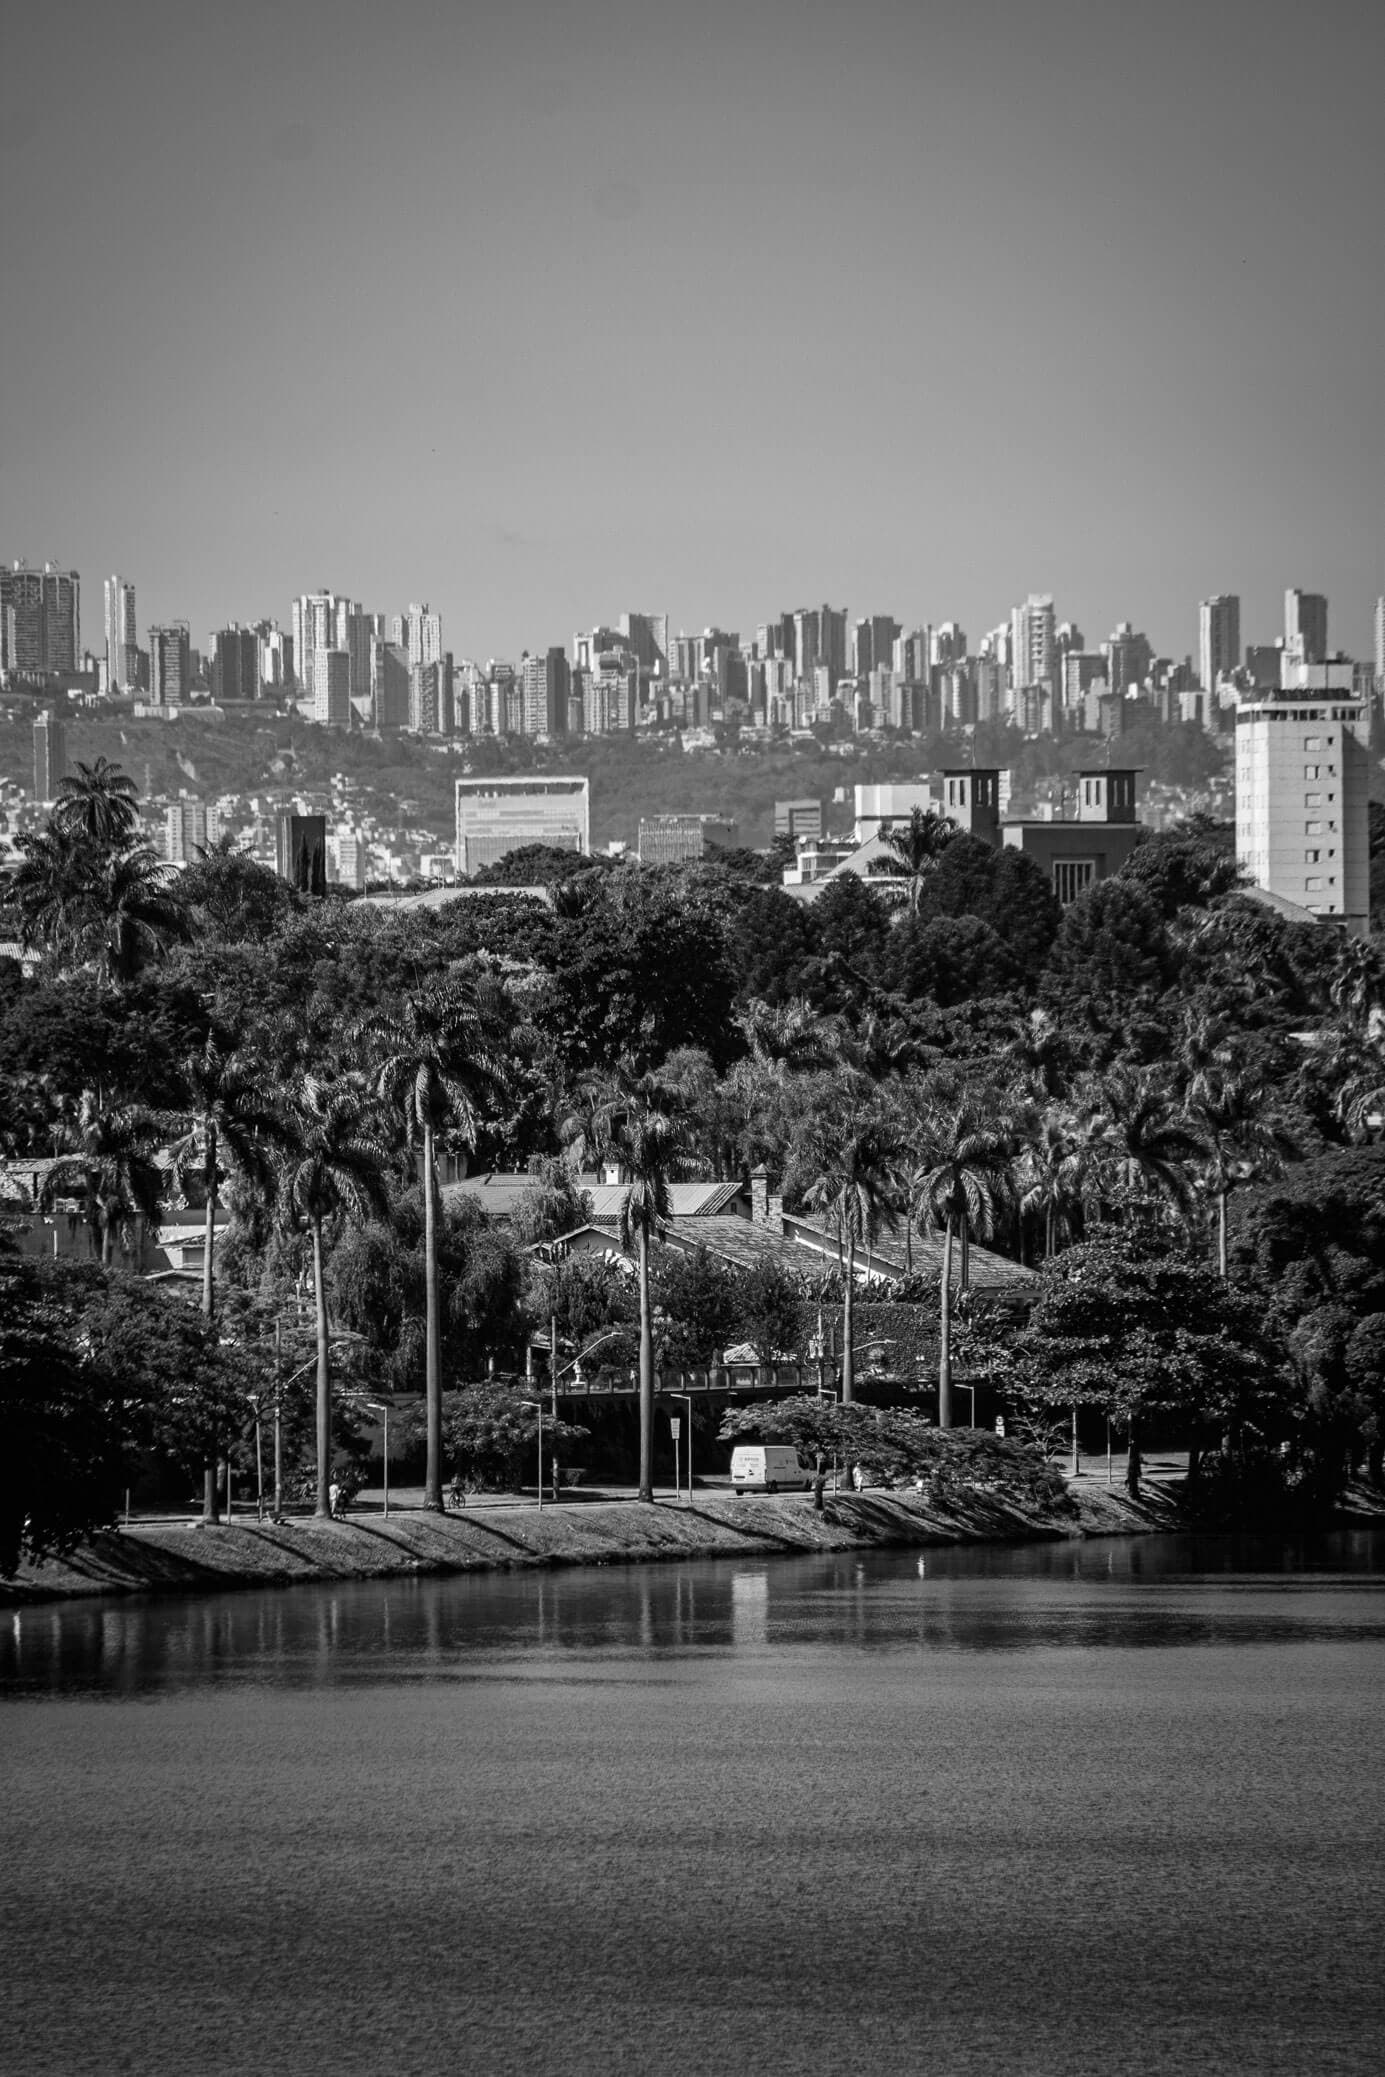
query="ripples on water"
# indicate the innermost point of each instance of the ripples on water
(1105, 1806)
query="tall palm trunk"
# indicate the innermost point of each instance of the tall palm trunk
(323, 1504)
(432, 1483)
(849, 1324)
(945, 1331)
(210, 1507)
(646, 1370)
(209, 1224)
(1221, 1235)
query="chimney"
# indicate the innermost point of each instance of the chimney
(759, 1195)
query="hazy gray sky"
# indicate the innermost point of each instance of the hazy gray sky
(542, 312)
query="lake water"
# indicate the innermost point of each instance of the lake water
(1115, 1807)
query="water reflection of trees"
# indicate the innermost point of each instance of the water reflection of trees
(1152, 1591)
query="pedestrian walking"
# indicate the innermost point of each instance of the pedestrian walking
(334, 1500)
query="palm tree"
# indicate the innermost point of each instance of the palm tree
(638, 1119)
(914, 848)
(98, 801)
(138, 913)
(1040, 1051)
(957, 1188)
(847, 1166)
(112, 1169)
(86, 901)
(1244, 1136)
(443, 1064)
(1131, 1141)
(229, 1126)
(52, 891)
(1044, 1178)
(335, 1169)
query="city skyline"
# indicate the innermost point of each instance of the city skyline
(339, 623)
(781, 255)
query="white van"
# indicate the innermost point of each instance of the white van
(770, 1467)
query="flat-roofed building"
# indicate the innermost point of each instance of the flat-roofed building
(1302, 790)
(1090, 840)
(496, 816)
(799, 818)
(40, 621)
(680, 839)
(170, 664)
(332, 687)
(877, 807)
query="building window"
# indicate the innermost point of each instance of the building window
(1312, 771)
(1312, 742)
(1311, 857)
(1313, 881)
(1071, 876)
(1312, 800)
(1312, 829)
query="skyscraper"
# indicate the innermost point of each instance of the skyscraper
(647, 635)
(122, 638)
(320, 621)
(1218, 638)
(332, 687)
(1305, 626)
(236, 670)
(1032, 642)
(1380, 644)
(389, 684)
(423, 635)
(545, 682)
(170, 664)
(40, 620)
(50, 755)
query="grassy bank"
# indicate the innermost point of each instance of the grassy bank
(180, 1557)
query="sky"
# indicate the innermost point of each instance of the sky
(543, 313)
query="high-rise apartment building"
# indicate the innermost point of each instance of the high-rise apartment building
(389, 685)
(1128, 658)
(1033, 647)
(50, 755)
(1218, 638)
(236, 664)
(647, 636)
(423, 637)
(1302, 790)
(122, 637)
(170, 664)
(332, 688)
(545, 682)
(1305, 626)
(275, 661)
(323, 620)
(190, 827)
(496, 816)
(1380, 644)
(430, 697)
(40, 620)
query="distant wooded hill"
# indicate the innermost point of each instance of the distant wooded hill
(215, 754)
